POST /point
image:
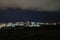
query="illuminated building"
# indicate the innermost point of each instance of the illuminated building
(54, 23)
(19, 23)
(9, 24)
(2, 25)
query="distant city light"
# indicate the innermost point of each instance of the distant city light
(26, 24)
(2, 25)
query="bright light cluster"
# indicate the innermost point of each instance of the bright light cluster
(25, 24)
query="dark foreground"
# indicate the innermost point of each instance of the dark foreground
(31, 34)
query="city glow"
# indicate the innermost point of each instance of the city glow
(26, 24)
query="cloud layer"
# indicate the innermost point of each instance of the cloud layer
(40, 5)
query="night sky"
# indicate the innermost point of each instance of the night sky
(11, 15)
(29, 10)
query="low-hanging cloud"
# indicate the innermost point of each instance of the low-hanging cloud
(40, 5)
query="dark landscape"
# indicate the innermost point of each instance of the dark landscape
(34, 33)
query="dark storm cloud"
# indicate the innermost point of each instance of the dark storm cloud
(45, 5)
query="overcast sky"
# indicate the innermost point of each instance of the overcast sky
(45, 5)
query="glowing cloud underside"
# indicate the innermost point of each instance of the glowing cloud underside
(45, 5)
